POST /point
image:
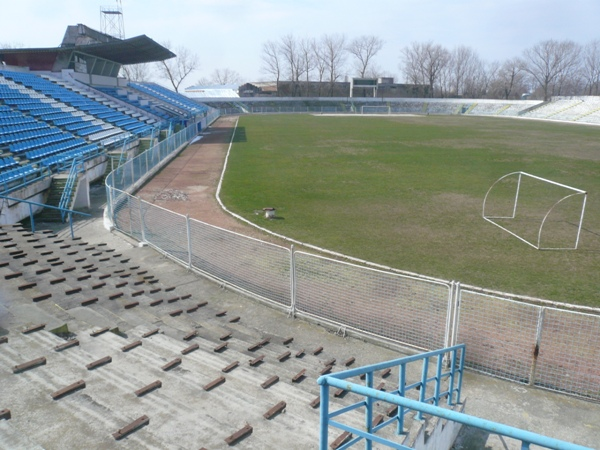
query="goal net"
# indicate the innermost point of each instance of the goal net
(365, 109)
(542, 213)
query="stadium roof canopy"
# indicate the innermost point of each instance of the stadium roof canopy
(86, 50)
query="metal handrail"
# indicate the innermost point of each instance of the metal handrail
(30, 203)
(77, 167)
(422, 406)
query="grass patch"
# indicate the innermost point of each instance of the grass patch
(407, 192)
(63, 332)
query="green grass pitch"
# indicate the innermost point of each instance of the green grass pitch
(407, 192)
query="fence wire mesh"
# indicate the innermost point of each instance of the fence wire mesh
(500, 335)
(165, 229)
(125, 218)
(404, 309)
(569, 355)
(258, 267)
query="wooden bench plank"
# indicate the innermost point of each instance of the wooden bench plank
(131, 346)
(171, 364)
(150, 333)
(68, 389)
(149, 388)
(190, 349)
(133, 426)
(214, 383)
(66, 345)
(99, 332)
(29, 365)
(257, 361)
(270, 382)
(238, 435)
(279, 407)
(98, 363)
(299, 376)
(341, 440)
(34, 328)
(230, 367)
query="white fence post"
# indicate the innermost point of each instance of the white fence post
(189, 240)
(292, 312)
(142, 226)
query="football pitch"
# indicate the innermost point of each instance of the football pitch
(407, 192)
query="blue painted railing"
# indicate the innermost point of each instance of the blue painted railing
(77, 167)
(452, 358)
(69, 212)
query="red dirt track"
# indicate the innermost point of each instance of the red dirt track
(188, 184)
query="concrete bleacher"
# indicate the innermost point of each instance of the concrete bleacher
(90, 287)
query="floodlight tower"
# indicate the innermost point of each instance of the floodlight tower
(111, 20)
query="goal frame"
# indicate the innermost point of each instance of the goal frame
(536, 245)
(387, 112)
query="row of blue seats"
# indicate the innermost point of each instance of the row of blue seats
(24, 136)
(114, 92)
(8, 162)
(7, 129)
(31, 144)
(16, 120)
(169, 96)
(78, 126)
(61, 158)
(68, 121)
(72, 98)
(90, 130)
(54, 148)
(17, 174)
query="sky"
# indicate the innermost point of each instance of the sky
(229, 34)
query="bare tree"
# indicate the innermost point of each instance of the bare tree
(509, 81)
(226, 76)
(176, 69)
(364, 49)
(320, 63)
(138, 72)
(271, 61)
(465, 66)
(307, 60)
(291, 54)
(424, 62)
(334, 54)
(591, 67)
(548, 61)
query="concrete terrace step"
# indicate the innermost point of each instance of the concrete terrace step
(181, 412)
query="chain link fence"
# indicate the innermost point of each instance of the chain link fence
(396, 307)
(551, 348)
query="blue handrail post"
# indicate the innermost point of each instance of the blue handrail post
(71, 225)
(402, 392)
(438, 380)
(324, 416)
(31, 219)
(423, 390)
(369, 411)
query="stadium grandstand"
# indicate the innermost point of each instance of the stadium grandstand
(66, 106)
(124, 339)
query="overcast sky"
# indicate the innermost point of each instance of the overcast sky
(230, 33)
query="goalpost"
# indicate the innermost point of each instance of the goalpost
(526, 205)
(381, 109)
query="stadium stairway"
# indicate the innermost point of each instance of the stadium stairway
(236, 361)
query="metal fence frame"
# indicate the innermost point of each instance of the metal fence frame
(279, 275)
